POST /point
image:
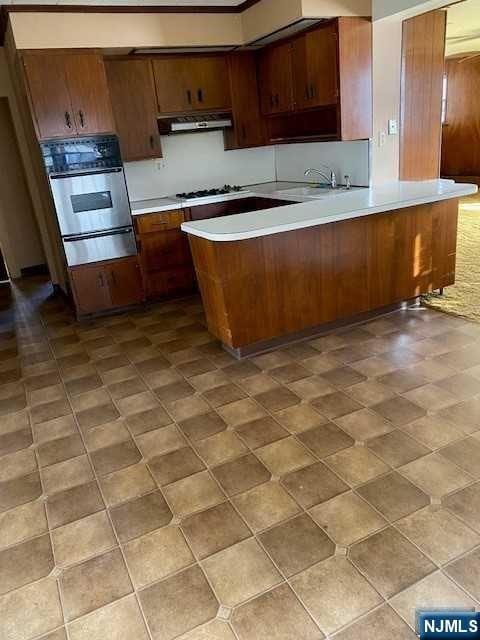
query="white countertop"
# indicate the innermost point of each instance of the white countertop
(323, 208)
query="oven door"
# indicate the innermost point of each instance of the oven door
(91, 202)
(95, 247)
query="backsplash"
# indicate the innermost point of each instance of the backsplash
(198, 161)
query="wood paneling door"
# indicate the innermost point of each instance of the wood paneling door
(90, 289)
(125, 282)
(173, 91)
(50, 99)
(132, 91)
(87, 83)
(276, 79)
(423, 62)
(208, 77)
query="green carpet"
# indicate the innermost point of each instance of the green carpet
(463, 298)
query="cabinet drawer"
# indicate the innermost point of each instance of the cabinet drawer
(154, 222)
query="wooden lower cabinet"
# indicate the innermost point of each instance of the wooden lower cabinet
(106, 285)
(267, 288)
(165, 258)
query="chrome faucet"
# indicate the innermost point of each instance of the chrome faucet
(329, 179)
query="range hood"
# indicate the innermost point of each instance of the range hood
(197, 122)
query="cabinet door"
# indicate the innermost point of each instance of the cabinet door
(90, 289)
(275, 79)
(173, 93)
(316, 67)
(125, 282)
(87, 83)
(50, 100)
(132, 91)
(208, 79)
(248, 129)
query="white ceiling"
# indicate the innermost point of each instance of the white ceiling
(158, 3)
(463, 27)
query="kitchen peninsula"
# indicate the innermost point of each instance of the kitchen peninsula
(293, 271)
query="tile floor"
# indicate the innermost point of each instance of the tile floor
(151, 487)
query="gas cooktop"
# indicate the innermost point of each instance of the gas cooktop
(202, 193)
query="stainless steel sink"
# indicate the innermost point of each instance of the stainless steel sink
(314, 191)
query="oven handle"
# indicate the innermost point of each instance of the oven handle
(78, 174)
(99, 234)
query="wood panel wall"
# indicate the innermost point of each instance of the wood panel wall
(259, 289)
(461, 131)
(423, 61)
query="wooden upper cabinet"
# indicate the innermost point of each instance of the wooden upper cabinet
(49, 96)
(315, 68)
(191, 83)
(87, 83)
(248, 126)
(132, 91)
(171, 81)
(276, 79)
(68, 93)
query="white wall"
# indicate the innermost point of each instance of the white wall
(350, 158)
(194, 161)
(407, 8)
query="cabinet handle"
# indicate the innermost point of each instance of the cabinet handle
(200, 95)
(101, 281)
(277, 99)
(112, 274)
(189, 96)
(82, 118)
(152, 142)
(307, 92)
(68, 120)
(312, 91)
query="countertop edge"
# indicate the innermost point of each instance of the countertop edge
(460, 190)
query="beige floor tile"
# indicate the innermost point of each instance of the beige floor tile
(464, 415)
(14, 422)
(300, 418)
(369, 392)
(160, 441)
(175, 466)
(241, 370)
(165, 604)
(462, 385)
(402, 380)
(336, 405)
(25, 563)
(96, 416)
(466, 505)
(106, 435)
(126, 484)
(465, 454)
(326, 439)
(214, 530)
(94, 584)
(382, 624)
(390, 562)
(148, 420)
(73, 504)
(194, 493)
(274, 616)
(95, 398)
(435, 591)
(241, 474)
(135, 403)
(15, 440)
(258, 384)
(396, 448)
(240, 572)
(47, 394)
(241, 411)
(346, 376)
(188, 408)
(126, 388)
(347, 518)
(84, 384)
(431, 397)
(394, 496)
(220, 447)
(65, 475)
(313, 485)
(432, 431)
(272, 360)
(297, 544)
(439, 534)
(312, 387)
(224, 394)
(202, 426)
(30, 611)
(399, 411)
(157, 555)
(364, 424)
(22, 523)
(284, 456)
(140, 516)
(265, 505)
(466, 572)
(261, 432)
(209, 381)
(17, 464)
(216, 630)
(115, 457)
(335, 593)
(277, 399)
(435, 475)
(356, 465)
(175, 391)
(82, 539)
(57, 428)
(121, 620)
(60, 450)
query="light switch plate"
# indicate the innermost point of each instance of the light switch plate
(392, 127)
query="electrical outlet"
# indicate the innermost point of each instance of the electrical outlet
(392, 127)
(160, 164)
(382, 138)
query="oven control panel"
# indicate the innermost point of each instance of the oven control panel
(81, 155)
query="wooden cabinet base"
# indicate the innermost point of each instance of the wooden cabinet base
(263, 289)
